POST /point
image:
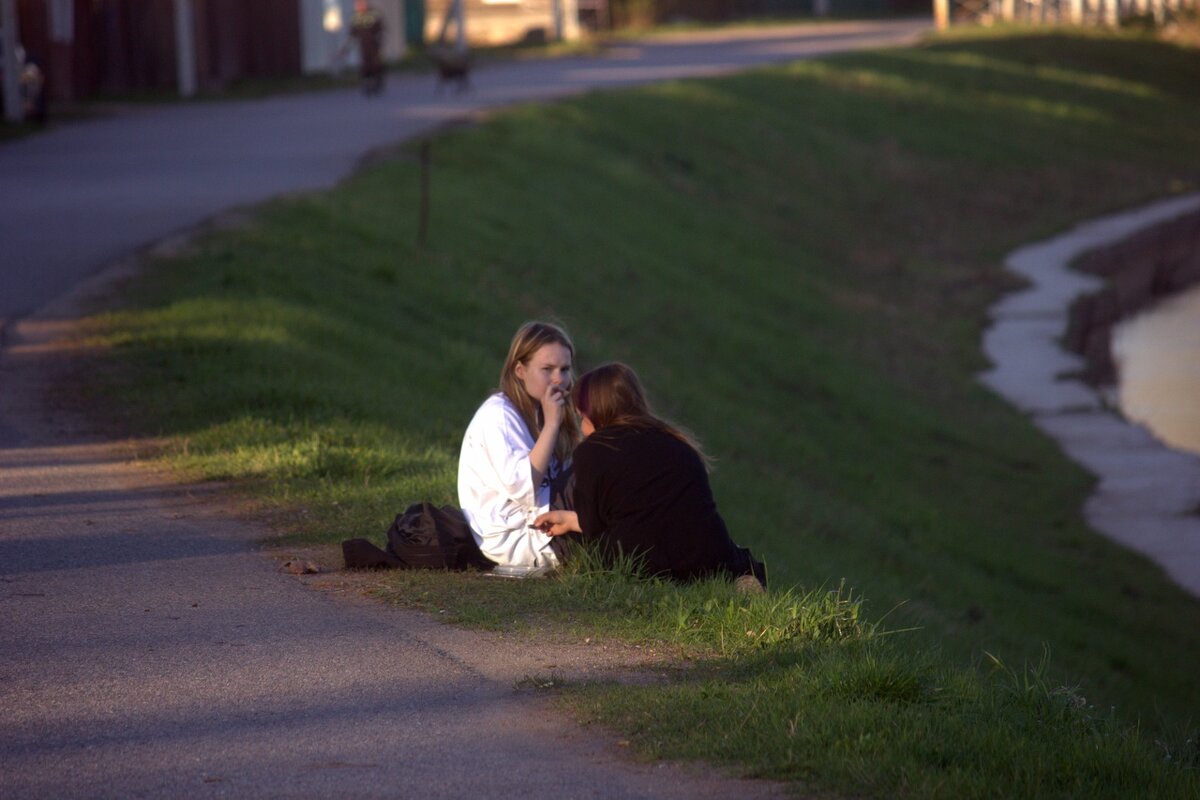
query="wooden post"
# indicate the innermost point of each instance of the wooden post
(1110, 13)
(185, 48)
(1007, 10)
(14, 110)
(1076, 12)
(941, 14)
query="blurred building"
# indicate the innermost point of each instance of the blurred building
(94, 47)
(88, 48)
(324, 25)
(494, 22)
(512, 21)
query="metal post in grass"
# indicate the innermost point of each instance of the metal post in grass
(423, 214)
(941, 14)
(13, 112)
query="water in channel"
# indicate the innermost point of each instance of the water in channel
(1158, 360)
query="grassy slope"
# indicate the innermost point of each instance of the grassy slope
(796, 260)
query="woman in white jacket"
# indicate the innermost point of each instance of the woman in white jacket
(516, 450)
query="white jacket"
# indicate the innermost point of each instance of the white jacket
(495, 487)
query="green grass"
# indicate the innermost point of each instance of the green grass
(17, 130)
(800, 687)
(798, 262)
(875, 719)
(698, 620)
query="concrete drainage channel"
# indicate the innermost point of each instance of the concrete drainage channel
(1148, 495)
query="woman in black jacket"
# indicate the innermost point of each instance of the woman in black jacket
(641, 487)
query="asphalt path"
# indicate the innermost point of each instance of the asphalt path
(146, 648)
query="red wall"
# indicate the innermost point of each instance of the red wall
(126, 46)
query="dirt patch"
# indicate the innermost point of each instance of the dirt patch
(544, 657)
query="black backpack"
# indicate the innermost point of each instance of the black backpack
(423, 537)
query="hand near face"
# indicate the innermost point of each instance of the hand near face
(546, 377)
(554, 403)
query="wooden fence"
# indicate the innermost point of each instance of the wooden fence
(1065, 12)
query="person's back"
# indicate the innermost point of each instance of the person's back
(641, 486)
(646, 491)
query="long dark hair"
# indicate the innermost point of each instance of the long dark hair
(529, 338)
(611, 394)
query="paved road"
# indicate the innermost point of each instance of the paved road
(83, 195)
(145, 649)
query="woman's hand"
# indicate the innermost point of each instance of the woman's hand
(554, 403)
(556, 523)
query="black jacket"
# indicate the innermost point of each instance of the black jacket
(648, 492)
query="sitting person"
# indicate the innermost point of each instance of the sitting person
(516, 450)
(641, 485)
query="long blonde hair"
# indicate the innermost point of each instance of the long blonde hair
(529, 338)
(611, 394)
